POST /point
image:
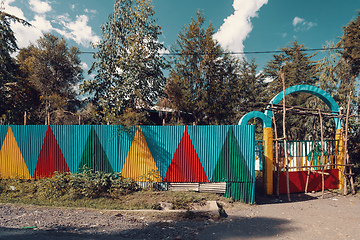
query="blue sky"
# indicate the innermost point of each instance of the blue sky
(240, 25)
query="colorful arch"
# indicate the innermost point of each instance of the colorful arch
(268, 134)
(266, 121)
(324, 96)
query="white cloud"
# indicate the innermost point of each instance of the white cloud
(84, 66)
(27, 35)
(39, 7)
(90, 11)
(78, 30)
(13, 10)
(301, 25)
(268, 79)
(298, 20)
(237, 26)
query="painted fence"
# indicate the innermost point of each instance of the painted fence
(308, 153)
(177, 153)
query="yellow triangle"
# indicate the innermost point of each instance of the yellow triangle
(11, 160)
(139, 164)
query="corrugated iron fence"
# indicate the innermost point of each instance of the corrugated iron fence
(143, 153)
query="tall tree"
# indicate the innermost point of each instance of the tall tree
(128, 63)
(54, 69)
(8, 67)
(298, 68)
(253, 87)
(350, 62)
(350, 43)
(204, 82)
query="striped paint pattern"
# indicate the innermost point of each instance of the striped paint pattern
(143, 153)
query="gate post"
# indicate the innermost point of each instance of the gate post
(268, 146)
(340, 157)
(268, 157)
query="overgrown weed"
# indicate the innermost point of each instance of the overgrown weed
(93, 189)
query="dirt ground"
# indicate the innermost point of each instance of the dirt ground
(308, 216)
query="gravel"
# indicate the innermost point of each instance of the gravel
(32, 222)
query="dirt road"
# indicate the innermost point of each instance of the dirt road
(306, 217)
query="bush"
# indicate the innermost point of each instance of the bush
(85, 184)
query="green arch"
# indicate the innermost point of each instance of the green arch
(266, 121)
(324, 96)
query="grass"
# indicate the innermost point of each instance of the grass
(90, 189)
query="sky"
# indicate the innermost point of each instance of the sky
(240, 25)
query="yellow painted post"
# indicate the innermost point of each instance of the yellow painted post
(340, 157)
(268, 155)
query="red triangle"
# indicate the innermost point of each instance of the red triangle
(185, 165)
(50, 158)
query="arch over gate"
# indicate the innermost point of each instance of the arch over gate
(266, 118)
(324, 96)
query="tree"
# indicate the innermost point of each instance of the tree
(350, 62)
(54, 70)
(8, 67)
(128, 64)
(204, 83)
(350, 43)
(298, 68)
(253, 87)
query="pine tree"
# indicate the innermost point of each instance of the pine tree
(298, 68)
(8, 68)
(203, 83)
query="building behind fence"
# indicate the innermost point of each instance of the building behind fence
(192, 154)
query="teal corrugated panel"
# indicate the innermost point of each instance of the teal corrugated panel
(162, 142)
(116, 142)
(245, 136)
(94, 155)
(3, 131)
(71, 140)
(208, 142)
(30, 139)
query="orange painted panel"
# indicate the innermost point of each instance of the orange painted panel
(139, 161)
(11, 160)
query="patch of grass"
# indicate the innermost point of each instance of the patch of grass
(97, 190)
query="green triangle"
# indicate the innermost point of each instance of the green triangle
(94, 155)
(231, 165)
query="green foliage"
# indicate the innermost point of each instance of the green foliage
(350, 42)
(298, 68)
(204, 82)
(86, 184)
(253, 87)
(15, 95)
(128, 64)
(184, 201)
(53, 69)
(151, 176)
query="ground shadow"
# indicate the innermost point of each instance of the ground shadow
(243, 228)
(240, 227)
(262, 198)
